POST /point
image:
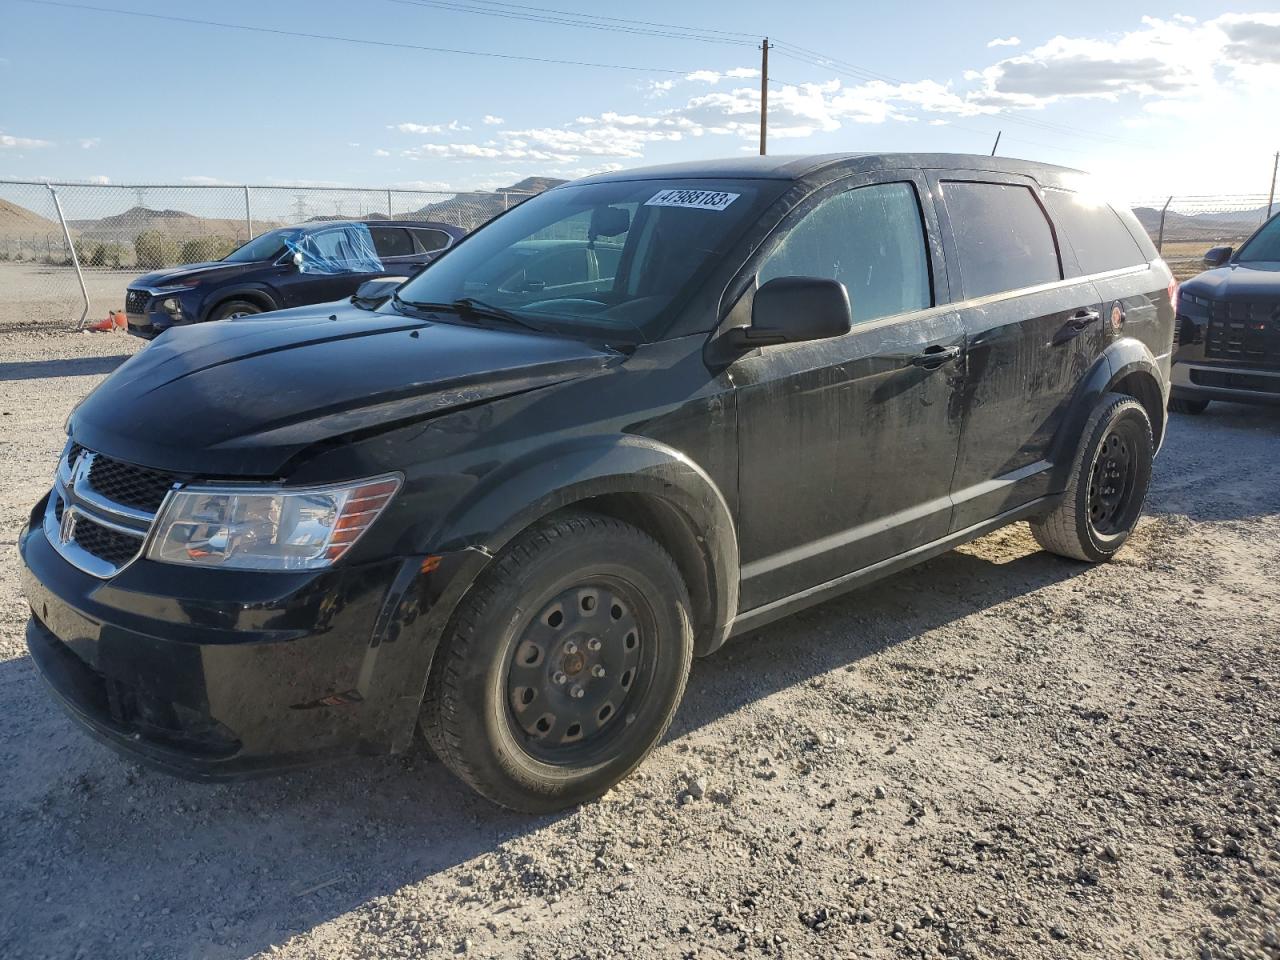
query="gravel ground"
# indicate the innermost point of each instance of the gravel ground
(998, 754)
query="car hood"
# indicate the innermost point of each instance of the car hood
(1237, 281)
(244, 398)
(194, 271)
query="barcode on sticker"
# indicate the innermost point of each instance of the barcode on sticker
(698, 199)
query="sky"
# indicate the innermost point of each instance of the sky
(1153, 99)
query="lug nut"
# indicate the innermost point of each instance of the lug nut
(577, 692)
(570, 648)
(559, 677)
(597, 671)
(593, 644)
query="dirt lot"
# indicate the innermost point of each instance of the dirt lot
(999, 754)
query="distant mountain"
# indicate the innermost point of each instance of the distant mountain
(470, 210)
(180, 225)
(1212, 225)
(19, 222)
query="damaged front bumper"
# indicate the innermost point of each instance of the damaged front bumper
(220, 674)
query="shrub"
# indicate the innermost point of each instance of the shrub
(107, 255)
(84, 251)
(154, 250)
(206, 248)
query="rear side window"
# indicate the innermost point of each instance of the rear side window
(1100, 239)
(391, 241)
(870, 239)
(429, 241)
(1003, 238)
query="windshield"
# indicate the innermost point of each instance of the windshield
(605, 258)
(268, 246)
(1264, 246)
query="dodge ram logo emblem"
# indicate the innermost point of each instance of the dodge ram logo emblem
(68, 528)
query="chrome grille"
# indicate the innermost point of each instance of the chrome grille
(101, 510)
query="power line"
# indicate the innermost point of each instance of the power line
(750, 37)
(569, 20)
(352, 40)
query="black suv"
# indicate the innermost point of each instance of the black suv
(1228, 330)
(289, 267)
(509, 505)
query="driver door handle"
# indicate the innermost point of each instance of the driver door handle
(1079, 321)
(935, 357)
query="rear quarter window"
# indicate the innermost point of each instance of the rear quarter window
(1003, 238)
(1096, 233)
(429, 241)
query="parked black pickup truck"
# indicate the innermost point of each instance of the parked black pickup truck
(633, 417)
(1229, 326)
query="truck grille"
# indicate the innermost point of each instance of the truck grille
(1244, 332)
(101, 510)
(135, 301)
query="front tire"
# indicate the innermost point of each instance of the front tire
(563, 666)
(233, 309)
(1109, 483)
(1185, 405)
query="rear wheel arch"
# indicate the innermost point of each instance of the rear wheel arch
(1143, 386)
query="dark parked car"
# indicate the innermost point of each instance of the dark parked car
(507, 506)
(289, 267)
(1228, 332)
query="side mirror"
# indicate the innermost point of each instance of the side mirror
(793, 310)
(1217, 256)
(373, 293)
(297, 258)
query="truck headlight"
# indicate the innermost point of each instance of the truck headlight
(267, 528)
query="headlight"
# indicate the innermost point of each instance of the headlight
(267, 528)
(171, 305)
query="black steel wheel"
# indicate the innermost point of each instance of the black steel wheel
(578, 667)
(1107, 490)
(1113, 480)
(563, 666)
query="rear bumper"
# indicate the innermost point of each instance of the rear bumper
(213, 675)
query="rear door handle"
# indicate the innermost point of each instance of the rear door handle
(935, 357)
(1078, 323)
(1083, 318)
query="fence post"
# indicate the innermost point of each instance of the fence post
(248, 216)
(1271, 198)
(390, 214)
(1160, 239)
(505, 201)
(75, 258)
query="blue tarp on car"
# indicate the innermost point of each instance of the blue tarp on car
(345, 249)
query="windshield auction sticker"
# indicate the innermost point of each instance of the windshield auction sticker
(696, 199)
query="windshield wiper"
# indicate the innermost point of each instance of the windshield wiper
(472, 308)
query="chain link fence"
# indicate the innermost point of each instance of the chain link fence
(64, 243)
(1183, 228)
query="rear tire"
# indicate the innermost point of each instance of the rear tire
(1110, 478)
(234, 308)
(563, 666)
(1184, 405)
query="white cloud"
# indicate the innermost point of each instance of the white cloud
(381, 153)
(490, 120)
(8, 142)
(203, 181)
(704, 76)
(100, 178)
(88, 143)
(1004, 42)
(452, 125)
(742, 73)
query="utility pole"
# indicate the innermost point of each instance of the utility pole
(997, 143)
(764, 95)
(1275, 165)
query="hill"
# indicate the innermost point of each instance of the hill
(174, 223)
(1224, 226)
(19, 222)
(470, 210)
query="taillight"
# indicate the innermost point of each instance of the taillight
(1173, 292)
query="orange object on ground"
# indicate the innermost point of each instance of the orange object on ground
(116, 318)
